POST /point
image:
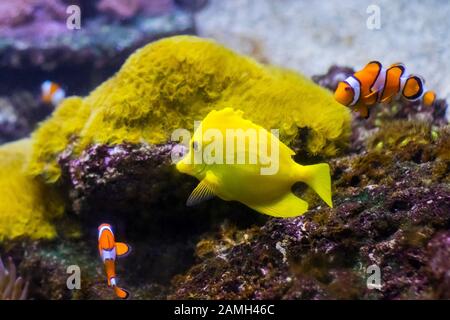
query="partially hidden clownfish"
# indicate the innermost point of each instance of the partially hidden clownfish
(375, 84)
(52, 93)
(109, 249)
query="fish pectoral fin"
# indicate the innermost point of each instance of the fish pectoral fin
(386, 100)
(371, 94)
(122, 249)
(286, 207)
(371, 98)
(204, 191)
(364, 112)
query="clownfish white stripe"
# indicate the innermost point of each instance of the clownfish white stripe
(52, 93)
(379, 81)
(354, 83)
(58, 96)
(46, 86)
(109, 254)
(102, 229)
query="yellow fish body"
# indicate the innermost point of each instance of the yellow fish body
(236, 159)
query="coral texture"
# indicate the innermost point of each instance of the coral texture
(27, 205)
(170, 83)
(98, 43)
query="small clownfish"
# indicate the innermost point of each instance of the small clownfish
(109, 249)
(374, 84)
(52, 93)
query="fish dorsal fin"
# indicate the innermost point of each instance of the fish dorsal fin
(398, 64)
(204, 191)
(368, 76)
(373, 66)
(286, 207)
(122, 249)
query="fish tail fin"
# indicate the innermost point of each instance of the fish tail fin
(318, 177)
(121, 292)
(428, 98)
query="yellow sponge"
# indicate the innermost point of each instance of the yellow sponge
(168, 84)
(27, 205)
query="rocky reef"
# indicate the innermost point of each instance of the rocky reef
(392, 207)
(391, 210)
(128, 26)
(106, 157)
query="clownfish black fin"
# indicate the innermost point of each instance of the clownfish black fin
(122, 249)
(364, 112)
(373, 64)
(398, 64)
(413, 88)
(121, 293)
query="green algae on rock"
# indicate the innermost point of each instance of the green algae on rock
(170, 83)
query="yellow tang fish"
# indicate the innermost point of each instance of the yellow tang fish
(236, 159)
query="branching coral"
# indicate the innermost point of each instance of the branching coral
(168, 84)
(11, 286)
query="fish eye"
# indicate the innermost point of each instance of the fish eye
(347, 89)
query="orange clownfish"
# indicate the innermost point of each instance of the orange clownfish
(374, 84)
(109, 249)
(52, 93)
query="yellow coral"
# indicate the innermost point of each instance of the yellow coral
(172, 82)
(26, 204)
